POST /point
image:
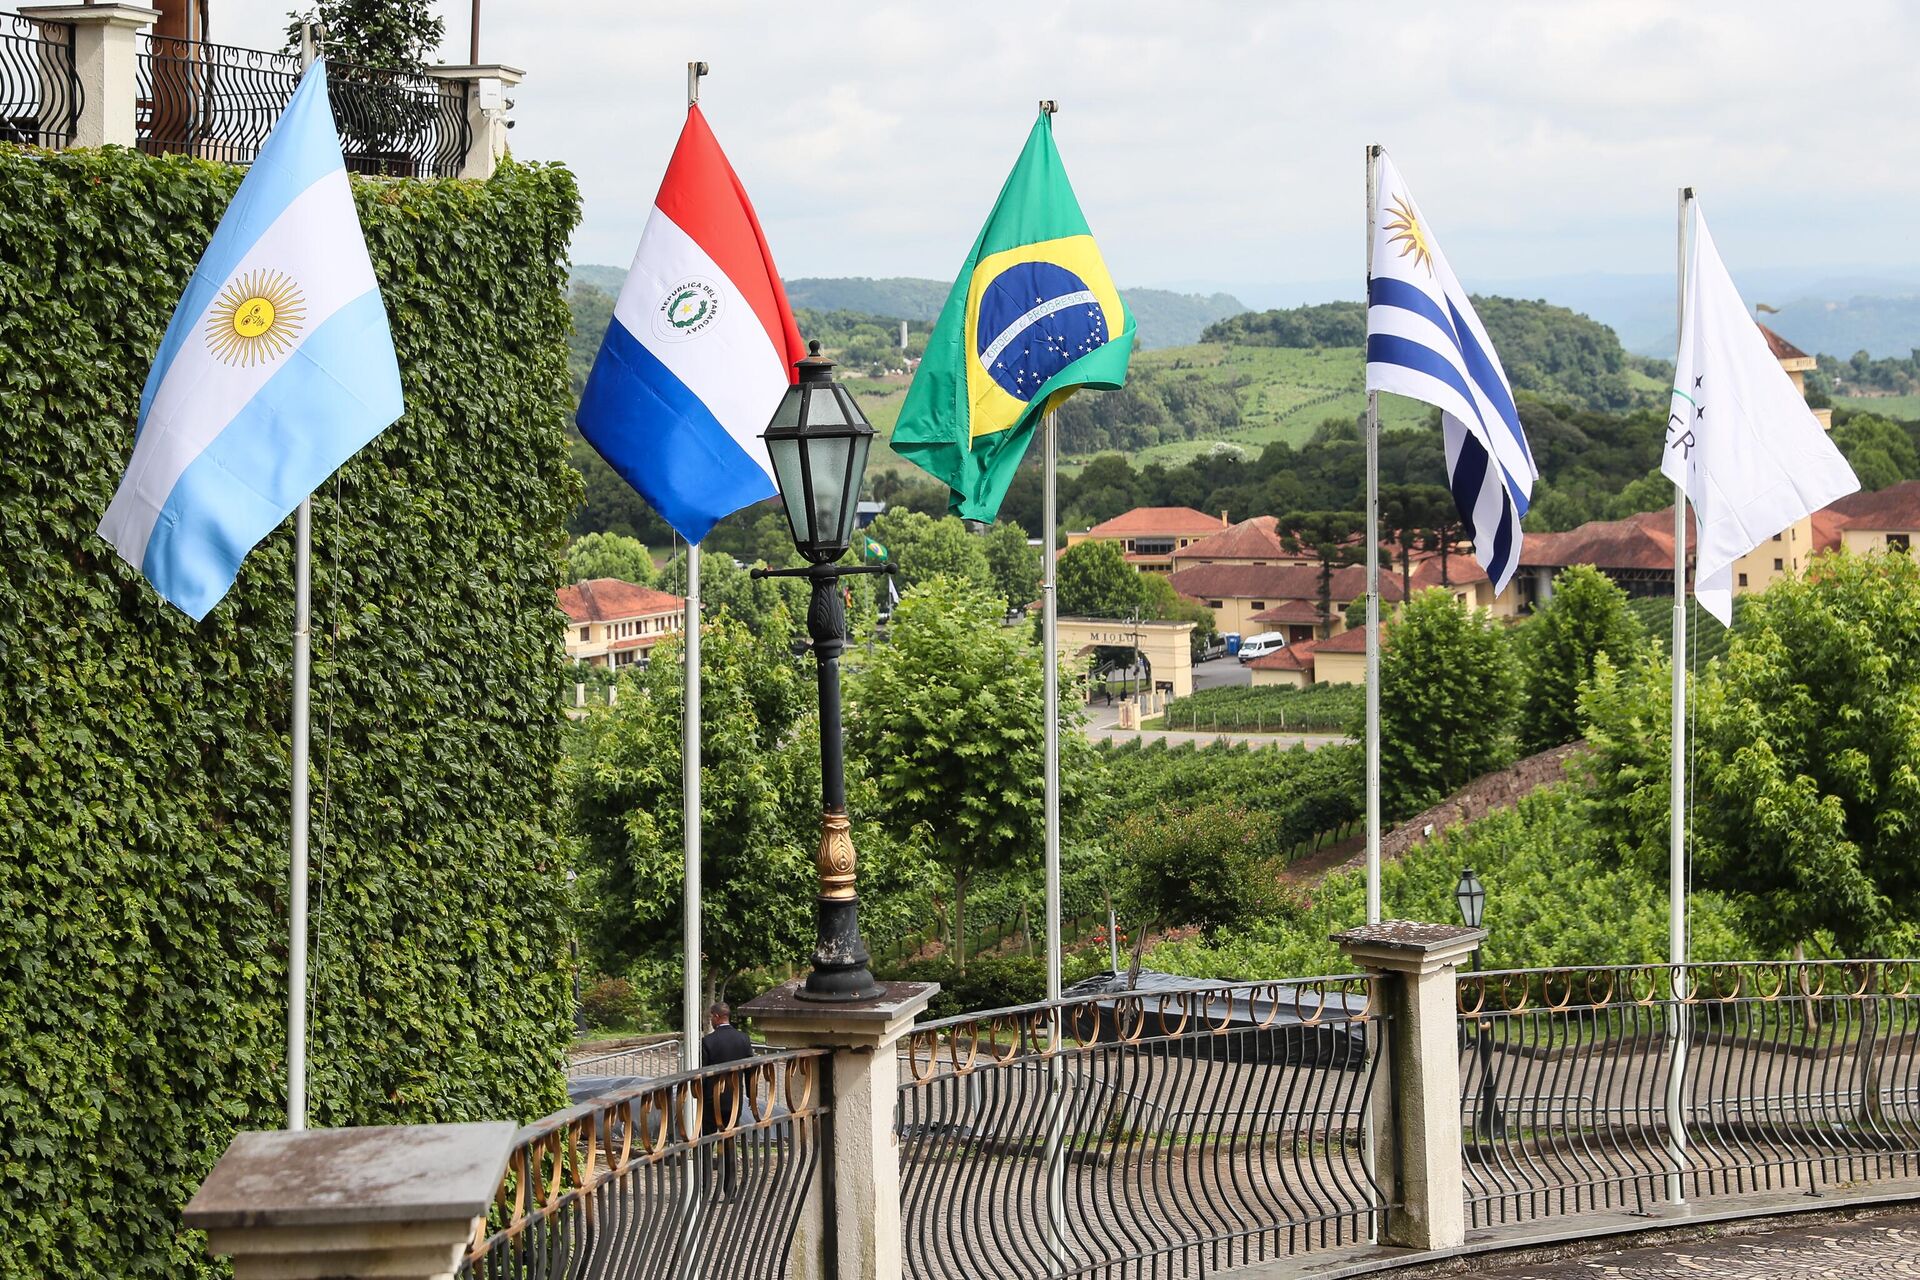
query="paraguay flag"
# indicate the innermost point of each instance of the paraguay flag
(276, 368)
(1033, 316)
(1425, 342)
(701, 349)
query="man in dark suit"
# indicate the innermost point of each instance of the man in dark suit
(725, 1043)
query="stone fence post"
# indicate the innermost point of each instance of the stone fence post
(487, 123)
(396, 1202)
(103, 62)
(859, 1239)
(1416, 1102)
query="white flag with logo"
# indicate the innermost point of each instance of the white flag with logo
(1741, 440)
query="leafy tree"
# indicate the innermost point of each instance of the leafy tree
(771, 608)
(925, 547)
(1014, 564)
(1095, 581)
(759, 804)
(1412, 516)
(377, 46)
(1160, 602)
(948, 722)
(1328, 536)
(1625, 714)
(1880, 451)
(610, 555)
(1587, 617)
(1203, 864)
(1812, 818)
(1448, 692)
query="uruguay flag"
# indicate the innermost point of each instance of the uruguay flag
(276, 368)
(1425, 342)
(701, 349)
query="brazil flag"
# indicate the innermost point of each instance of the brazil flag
(1033, 316)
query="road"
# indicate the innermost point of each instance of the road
(1878, 1248)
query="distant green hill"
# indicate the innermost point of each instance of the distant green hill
(1166, 319)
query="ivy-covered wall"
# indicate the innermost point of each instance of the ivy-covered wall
(144, 759)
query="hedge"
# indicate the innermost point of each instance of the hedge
(144, 769)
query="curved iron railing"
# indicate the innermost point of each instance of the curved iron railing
(1140, 1134)
(40, 96)
(707, 1169)
(1792, 1075)
(220, 102)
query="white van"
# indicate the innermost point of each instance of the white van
(1266, 642)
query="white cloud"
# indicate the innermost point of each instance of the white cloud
(1215, 140)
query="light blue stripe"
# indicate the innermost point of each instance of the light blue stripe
(302, 149)
(663, 440)
(337, 391)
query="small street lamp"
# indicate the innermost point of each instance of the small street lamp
(1471, 896)
(818, 441)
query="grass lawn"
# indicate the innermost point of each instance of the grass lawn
(1907, 407)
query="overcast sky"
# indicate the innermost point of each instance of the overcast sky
(1222, 142)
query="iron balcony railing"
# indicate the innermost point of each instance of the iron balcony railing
(1789, 1076)
(1140, 1135)
(701, 1173)
(220, 102)
(40, 96)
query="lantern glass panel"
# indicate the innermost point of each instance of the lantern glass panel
(785, 451)
(850, 502)
(823, 407)
(828, 460)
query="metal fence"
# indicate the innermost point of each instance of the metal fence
(1143, 1135)
(220, 102)
(1791, 1076)
(659, 1057)
(40, 95)
(706, 1173)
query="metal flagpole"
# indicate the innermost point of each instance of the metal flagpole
(1373, 591)
(310, 36)
(1677, 798)
(691, 1011)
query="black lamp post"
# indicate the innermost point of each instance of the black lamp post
(1471, 896)
(818, 442)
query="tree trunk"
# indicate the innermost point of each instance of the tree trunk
(1026, 930)
(1406, 570)
(1871, 1058)
(960, 921)
(1139, 949)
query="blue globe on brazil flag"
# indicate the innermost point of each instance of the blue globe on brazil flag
(1036, 318)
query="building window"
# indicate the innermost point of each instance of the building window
(1743, 579)
(586, 633)
(1779, 565)
(1213, 604)
(1776, 537)
(1259, 604)
(1897, 542)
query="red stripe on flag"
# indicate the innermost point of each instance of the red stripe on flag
(705, 199)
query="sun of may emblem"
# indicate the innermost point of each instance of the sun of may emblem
(1407, 232)
(256, 318)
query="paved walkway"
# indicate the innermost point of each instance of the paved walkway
(1869, 1249)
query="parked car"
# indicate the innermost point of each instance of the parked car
(1266, 642)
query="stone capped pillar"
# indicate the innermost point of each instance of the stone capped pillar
(399, 1202)
(103, 62)
(1416, 1117)
(487, 124)
(857, 1237)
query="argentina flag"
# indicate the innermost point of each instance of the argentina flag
(277, 367)
(1425, 342)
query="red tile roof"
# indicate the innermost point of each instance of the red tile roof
(1643, 541)
(1165, 522)
(1781, 348)
(1894, 507)
(1255, 539)
(1352, 640)
(1294, 657)
(1462, 570)
(1300, 611)
(611, 600)
(1276, 582)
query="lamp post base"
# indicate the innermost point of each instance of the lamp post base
(840, 960)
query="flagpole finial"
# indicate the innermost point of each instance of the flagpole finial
(694, 71)
(1048, 106)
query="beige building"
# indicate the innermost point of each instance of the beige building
(1256, 541)
(1166, 647)
(615, 624)
(1885, 520)
(1150, 536)
(1287, 594)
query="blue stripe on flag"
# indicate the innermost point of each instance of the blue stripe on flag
(663, 440)
(1387, 348)
(1474, 361)
(302, 149)
(300, 427)
(1468, 478)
